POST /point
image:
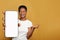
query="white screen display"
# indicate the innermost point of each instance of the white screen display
(11, 23)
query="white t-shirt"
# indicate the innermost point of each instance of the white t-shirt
(23, 29)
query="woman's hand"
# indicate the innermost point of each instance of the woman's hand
(31, 30)
(3, 19)
(18, 24)
(35, 26)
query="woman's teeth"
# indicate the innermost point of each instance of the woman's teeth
(22, 15)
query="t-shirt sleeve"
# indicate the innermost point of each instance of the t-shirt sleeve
(30, 24)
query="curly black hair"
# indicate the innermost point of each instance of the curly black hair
(22, 6)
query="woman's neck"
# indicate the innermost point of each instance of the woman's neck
(23, 19)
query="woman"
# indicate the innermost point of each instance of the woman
(26, 27)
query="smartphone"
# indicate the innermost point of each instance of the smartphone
(11, 23)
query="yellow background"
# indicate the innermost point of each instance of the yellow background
(46, 13)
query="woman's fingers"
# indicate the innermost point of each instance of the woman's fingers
(3, 19)
(18, 24)
(3, 13)
(36, 26)
(3, 25)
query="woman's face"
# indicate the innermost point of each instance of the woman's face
(22, 13)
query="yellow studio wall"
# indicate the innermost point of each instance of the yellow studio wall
(46, 13)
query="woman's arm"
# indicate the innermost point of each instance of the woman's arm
(31, 30)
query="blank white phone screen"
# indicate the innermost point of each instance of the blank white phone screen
(11, 23)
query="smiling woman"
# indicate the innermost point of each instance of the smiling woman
(26, 27)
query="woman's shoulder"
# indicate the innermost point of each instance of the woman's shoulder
(29, 21)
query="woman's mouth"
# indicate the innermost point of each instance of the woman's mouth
(22, 15)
